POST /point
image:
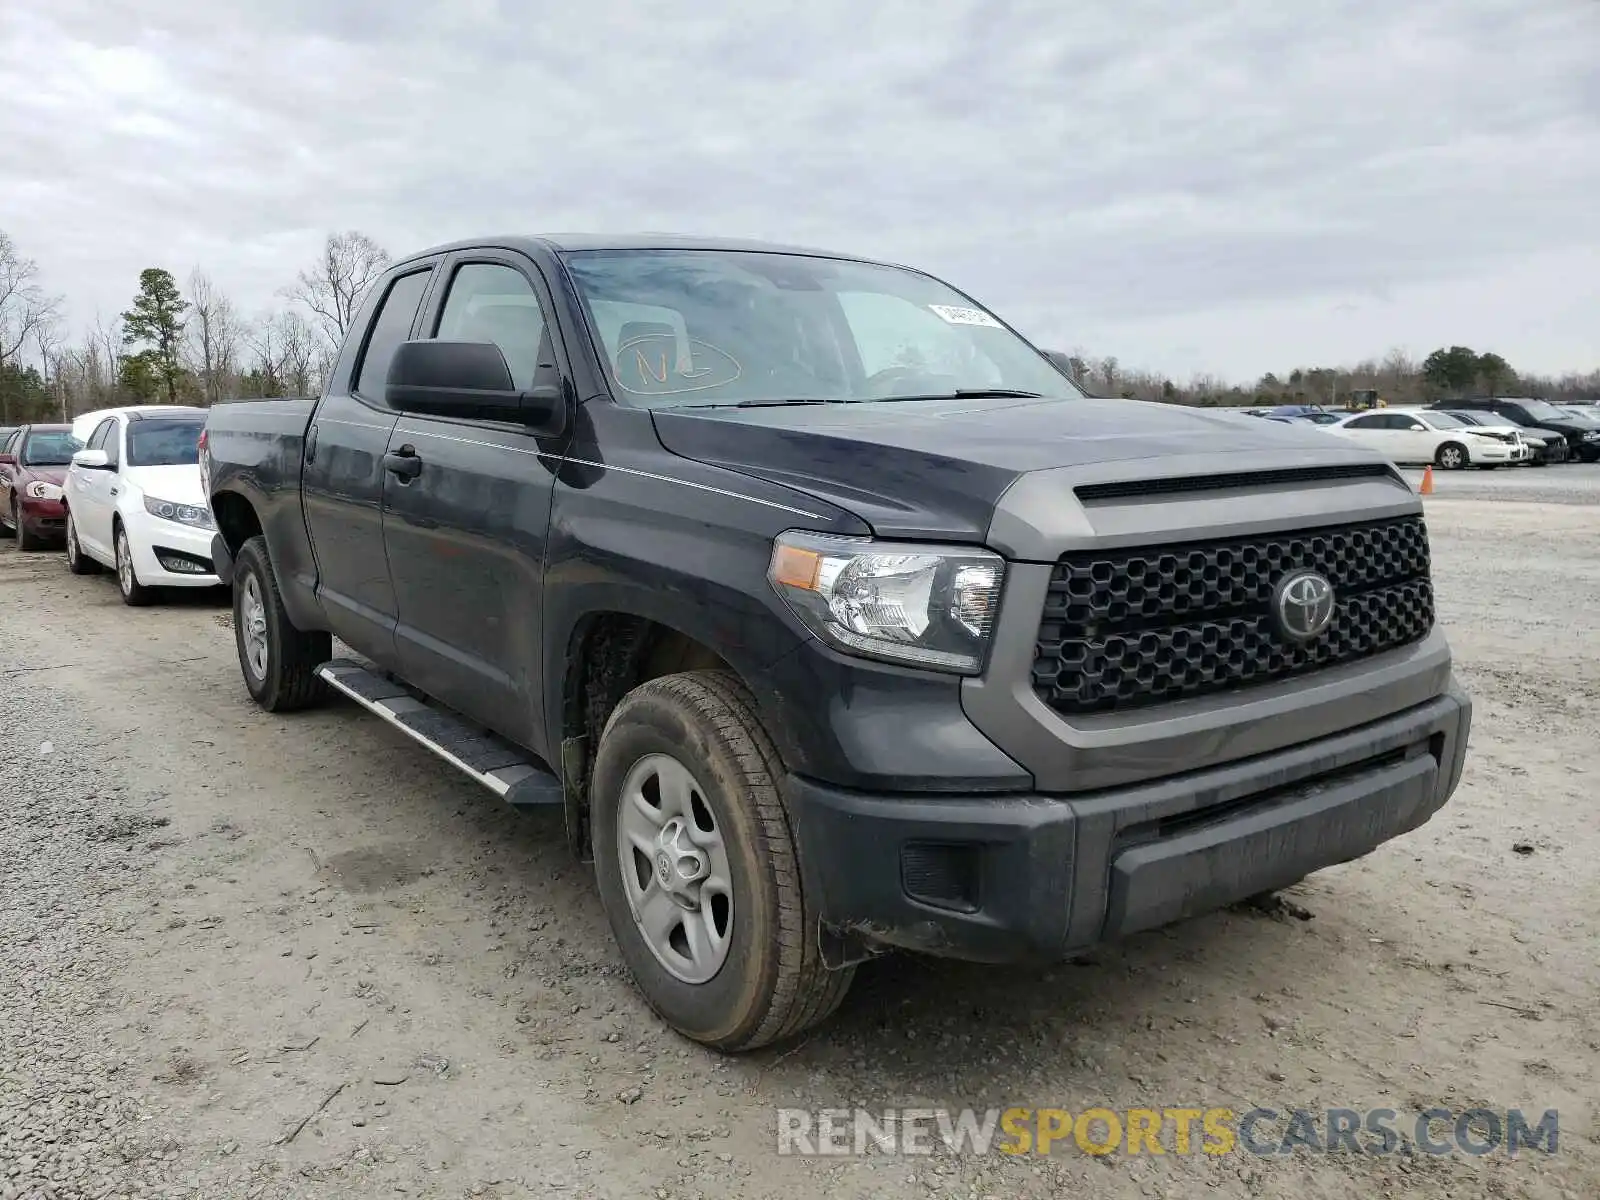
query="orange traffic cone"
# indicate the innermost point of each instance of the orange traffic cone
(1427, 481)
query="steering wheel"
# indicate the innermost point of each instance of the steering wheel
(892, 381)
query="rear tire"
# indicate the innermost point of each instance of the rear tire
(1452, 456)
(279, 662)
(768, 981)
(78, 562)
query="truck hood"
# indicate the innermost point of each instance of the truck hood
(936, 469)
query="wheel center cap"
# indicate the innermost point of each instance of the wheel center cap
(680, 864)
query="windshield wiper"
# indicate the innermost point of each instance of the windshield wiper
(968, 394)
(777, 403)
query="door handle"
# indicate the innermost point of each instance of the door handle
(403, 463)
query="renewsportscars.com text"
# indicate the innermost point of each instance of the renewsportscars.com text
(1174, 1130)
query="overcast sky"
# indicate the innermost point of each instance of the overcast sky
(1189, 185)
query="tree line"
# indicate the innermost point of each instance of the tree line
(187, 344)
(1446, 373)
(190, 344)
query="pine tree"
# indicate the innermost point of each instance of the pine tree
(156, 322)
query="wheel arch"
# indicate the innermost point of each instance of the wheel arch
(609, 653)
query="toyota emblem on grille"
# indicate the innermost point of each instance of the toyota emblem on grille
(1303, 605)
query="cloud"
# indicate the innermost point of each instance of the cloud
(1227, 187)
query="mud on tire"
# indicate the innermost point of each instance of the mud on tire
(772, 983)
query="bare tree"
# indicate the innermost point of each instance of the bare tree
(107, 341)
(47, 337)
(24, 307)
(213, 336)
(297, 343)
(333, 288)
(266, 363)
(1108, 375)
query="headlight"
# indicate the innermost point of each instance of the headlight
(931, 606)
(40, 490)
(183, 514)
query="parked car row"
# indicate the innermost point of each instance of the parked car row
(118, 489)
(1483, 432)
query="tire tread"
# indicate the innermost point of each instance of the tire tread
(805, 992)
(296, 655)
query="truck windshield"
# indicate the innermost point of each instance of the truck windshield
(718, 327)
(1543, 410)
(49, 448)
(164, 443)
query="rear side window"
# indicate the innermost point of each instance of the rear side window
(390, 327)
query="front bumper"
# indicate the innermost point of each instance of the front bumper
(169, 554)
(1497, 452)
(43, 518)
(1039, 877)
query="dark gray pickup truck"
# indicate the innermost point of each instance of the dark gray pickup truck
(830, 611)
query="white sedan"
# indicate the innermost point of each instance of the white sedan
(135, 502)
(1436, 438)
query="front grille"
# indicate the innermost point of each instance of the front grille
(1127, 628)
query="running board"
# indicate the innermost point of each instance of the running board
(506, 771)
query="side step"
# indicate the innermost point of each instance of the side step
(506, 771)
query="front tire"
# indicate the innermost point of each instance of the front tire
(25, 540)
(279, 661)
(134, 593)
(78, 562)
(685, 774)
(1452, 456)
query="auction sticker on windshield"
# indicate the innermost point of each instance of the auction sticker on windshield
(956, 315)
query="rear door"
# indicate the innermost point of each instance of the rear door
(1371, 431)
(466, 535)
(342, 478)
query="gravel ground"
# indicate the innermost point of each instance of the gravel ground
(247, 956)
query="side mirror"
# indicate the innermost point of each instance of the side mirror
(92, 460)
(470, 381)
(1418, 427)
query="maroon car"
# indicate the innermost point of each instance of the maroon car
(33, 469)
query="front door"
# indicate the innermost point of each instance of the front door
(466, 533)
(94, 503)
(342, 481)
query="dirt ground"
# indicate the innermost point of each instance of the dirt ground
(251, 956)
